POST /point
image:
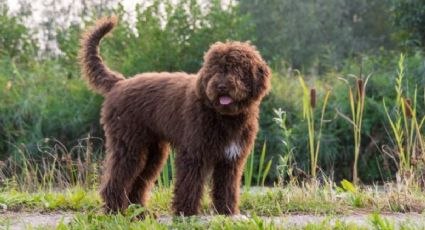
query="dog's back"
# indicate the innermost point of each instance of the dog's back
(151, 100)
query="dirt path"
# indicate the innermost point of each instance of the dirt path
(17, 221)
(22, 220)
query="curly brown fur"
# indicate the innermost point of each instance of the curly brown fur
(210, 118)
(96, 73)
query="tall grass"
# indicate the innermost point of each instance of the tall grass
(406, 126)
(261, 174)
(253, 173)
(57, 167)
(356, 99)
(249, 171)
(357, 108)
(54, 167)
(309, 105)
(168, 172)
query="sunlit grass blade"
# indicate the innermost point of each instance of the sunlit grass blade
(322, 118)
(261, 163)
(249, 170)
(266, 172)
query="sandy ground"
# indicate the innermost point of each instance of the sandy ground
(22, 220)
(19, 220)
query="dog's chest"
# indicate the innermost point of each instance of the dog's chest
(232, 150)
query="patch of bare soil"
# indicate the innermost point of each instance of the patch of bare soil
(22, 220)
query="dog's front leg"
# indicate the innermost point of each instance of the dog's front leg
(226, 182)
(188, 187)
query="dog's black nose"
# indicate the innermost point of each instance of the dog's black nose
(222, 87)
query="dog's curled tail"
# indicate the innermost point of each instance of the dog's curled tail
(98, 75)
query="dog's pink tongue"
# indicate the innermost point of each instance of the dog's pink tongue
(225, 100)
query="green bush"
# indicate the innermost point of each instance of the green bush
(16, 40)
(318, 35)
(39, 102)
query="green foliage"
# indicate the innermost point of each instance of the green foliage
(16, 41)
(327, 223)
(381, 223)
(174, 40)
(276, 201)
(320, 33)
(286, 159)
(406, 127)
(72, 199)
(336, 153)
(347, 186)
(39, 102)
(355, 197)
(168, 173)
(120, 221)
(248, 173)
(262, 171)
(357, 106)
(410, 18)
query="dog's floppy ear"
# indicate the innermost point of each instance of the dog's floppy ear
(262, 75)
(211, 58)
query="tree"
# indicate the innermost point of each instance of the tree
(16, 40)
(319, 33)
(410, 18)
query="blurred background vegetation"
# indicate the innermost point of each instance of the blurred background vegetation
(46, 108)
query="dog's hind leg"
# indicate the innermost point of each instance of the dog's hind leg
(126, 159)
(158, 153)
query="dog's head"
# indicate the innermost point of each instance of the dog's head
(233, 77)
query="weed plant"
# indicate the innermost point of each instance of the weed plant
(357, 105)
(262, 171)
(406, 128)
(309, 105)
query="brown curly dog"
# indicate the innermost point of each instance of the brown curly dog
(210, 118)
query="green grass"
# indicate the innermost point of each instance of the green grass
(76, 199)
(272, 202)
(266, 202)
(275, 201)
(250, 167)
(95, 221)
(92, 220)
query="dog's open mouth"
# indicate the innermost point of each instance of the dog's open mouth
(225, 100)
